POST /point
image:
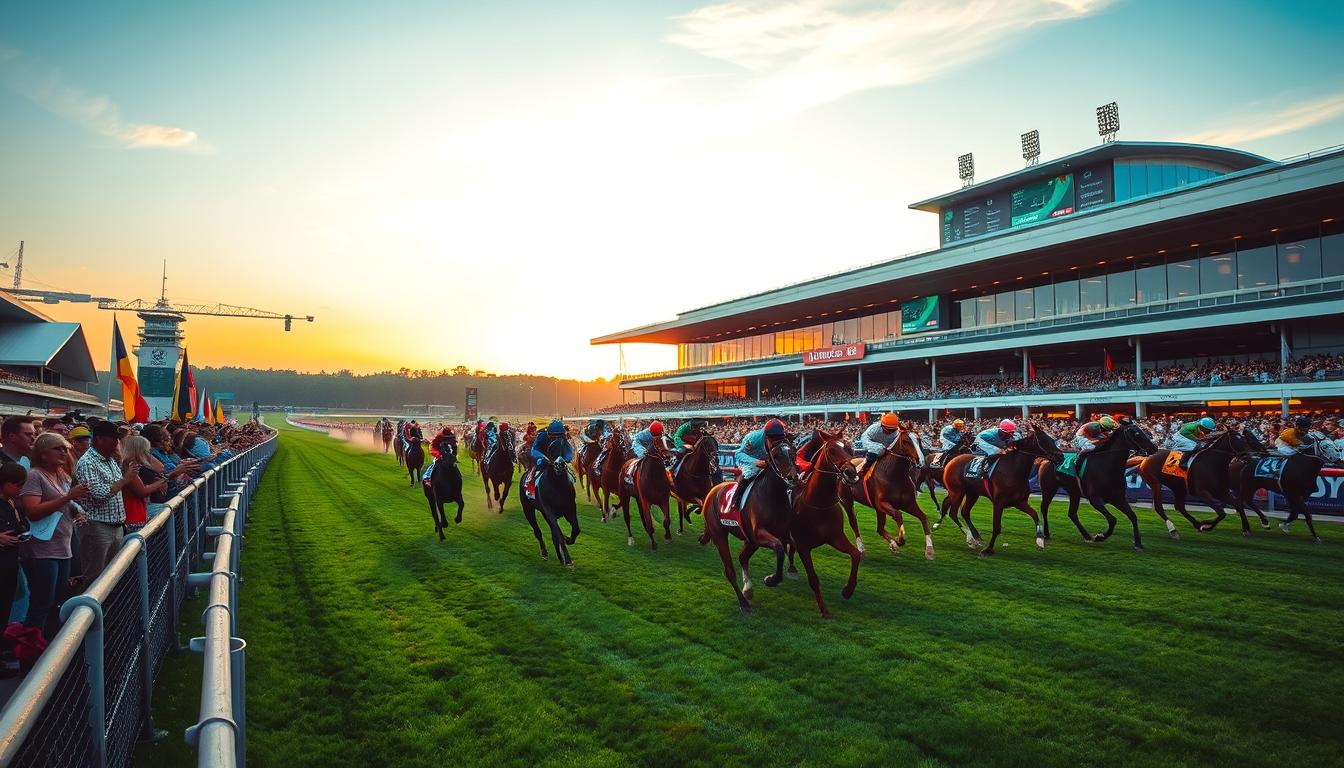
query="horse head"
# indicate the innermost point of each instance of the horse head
(1136, 439)
(1252, 440)
(833, 458)
(1041, 445)
(779, 458)
(907, 445)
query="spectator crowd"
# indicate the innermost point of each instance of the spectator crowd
(70, 490)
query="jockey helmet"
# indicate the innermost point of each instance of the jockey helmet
(890, 420)
(958, 424)
(699, 423)
(1106, 422)
(556, 427)
(505, 425)
(1208, 423)
(1302, 422)
(774, 428)
(1120, 418)
(1007, 425)
(656, 429)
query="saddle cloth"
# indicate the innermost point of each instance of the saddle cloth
(936, 460)
(977, 467)
(729, 515)
(1070, 466)
(427, 476)
(1174, 465)
(1271, 467)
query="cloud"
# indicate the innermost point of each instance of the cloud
(1272, 121)
(97, 113)
(809, 52)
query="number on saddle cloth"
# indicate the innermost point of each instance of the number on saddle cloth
(1177, 464)
(1070, 466)
(1271, 468)
(729, 513)
(936, 460)
(976, 469)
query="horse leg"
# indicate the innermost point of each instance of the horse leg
(624, 506)
(485, 482)
(646, 517)
(994, 534)
(848, 502)
(973, 537)
(1122, 504)
(435, 515)
(744, 560)
(666, 507)
(912, 506)
(1074, 501)
(1154, 481)
(812, 581)
(557, 538)
(531, 515)
(508, 485)
(721, 544)
(1025, 506)
(1048, 495)
(460, 504)
(573, 527)
(883, 509)
(840, 542)
(767, 539)
(933, 496)
(1249, 500)
(793, 570)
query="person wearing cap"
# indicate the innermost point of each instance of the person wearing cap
(752, 454)
(80, 437)
(1292, 439)
(877, 438)
(1091, 434)
(996, 440)
(100, 470)
(1189, 437)
(540, 452)
(643, 441)
(952, 435)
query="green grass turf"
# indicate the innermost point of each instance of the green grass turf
(372, 643)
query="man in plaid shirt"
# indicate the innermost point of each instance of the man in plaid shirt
(100, 469)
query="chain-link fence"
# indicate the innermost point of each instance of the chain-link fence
(87, 700)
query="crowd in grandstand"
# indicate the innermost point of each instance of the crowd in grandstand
(71, 488)
(1210, 373)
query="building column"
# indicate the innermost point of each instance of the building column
(660, 395)
(1284, 353)
(933, 375)
(1025, 414)
(802, 387)
(1078, 411)
(860, 382)
(683, 393)
(1026, 369)
(975, 413)
(1138, 361)
(932, 415)
(758, 389)
(643, 395)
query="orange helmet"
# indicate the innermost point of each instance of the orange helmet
(890, 420)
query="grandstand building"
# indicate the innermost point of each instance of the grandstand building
(1143, 277)
(45, 367)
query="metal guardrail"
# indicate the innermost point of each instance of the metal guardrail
(90, 708)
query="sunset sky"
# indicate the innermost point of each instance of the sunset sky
(527, 176)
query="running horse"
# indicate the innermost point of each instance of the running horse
(1293, 476)
(555, 499)
(444, 484)
(817, 518)
(693, 477)
(1003, 479)
(609, 473)
(889, 489)
(584, 460)
(648, 481)
(386, 430)
(764, 521)
(931, 473)
(415, 455)
(399, 448)
(1206, 476)
(1098, 476)
(497, 475)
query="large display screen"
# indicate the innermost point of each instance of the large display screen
(921, 315)
(1095, 186)
(1043, 200)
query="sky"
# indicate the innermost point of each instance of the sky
(493, 184)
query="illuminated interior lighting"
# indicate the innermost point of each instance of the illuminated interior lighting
(1164, 250)
(1275, 229)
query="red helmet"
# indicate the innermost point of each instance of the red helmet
(1007, 425)
(656, 429)
(505, 425)
(775, 428)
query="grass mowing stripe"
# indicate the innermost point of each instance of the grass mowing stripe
(476, 651)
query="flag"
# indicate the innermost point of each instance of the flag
(1110, 364)
(219, 412)
(203, 412)
(1031, 370)
(133, 404)
(184, 392)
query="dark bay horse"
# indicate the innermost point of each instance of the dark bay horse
(399, 448)
(1293, 476)
(817, 518)
(609, 474)
(1101, 480)
(583, 463)
(415, 456)
(931, 474)
(499, 472)
(555, 499)
(1206, 477)
(1003, 480)
(387, 436)
(474, 448)
(889, 488)
(765, 520)
(1251, 449)
(650, 486)
(693, 477)
(443, 485)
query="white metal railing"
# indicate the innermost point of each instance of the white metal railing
(90, 709)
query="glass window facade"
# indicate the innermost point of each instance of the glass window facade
(1217, 269)
(1257, 267)
(1136, 178)
(1299, 257)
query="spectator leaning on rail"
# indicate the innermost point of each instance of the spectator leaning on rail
(46, 501)
(100, 470)
(12, 523)
(17, 434)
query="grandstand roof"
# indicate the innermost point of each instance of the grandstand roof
(1221, 157)
(1260, 196)
(59, 346)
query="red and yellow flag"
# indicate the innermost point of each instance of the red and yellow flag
(132, 402)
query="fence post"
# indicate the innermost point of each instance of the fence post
(93, 656)
(237, 653)
(173, 616)
(146, 659)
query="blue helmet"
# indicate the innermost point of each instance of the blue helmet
(556, 427)
(1207, 423)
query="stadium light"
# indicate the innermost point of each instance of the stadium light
(1031, 146)
(966, 169)
(1108, 121)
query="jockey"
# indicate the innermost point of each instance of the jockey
(1293, 439)
(531, 433)
(555, 431)
(877, 438)
(445, 439)
(491, 437)
(685, 438)
(596, 431)
(643, 441)
(409, 430)
(1091, 434)
(996, 440)
(752, 455)
(952, 435)
(1190, 435)
(803, 458)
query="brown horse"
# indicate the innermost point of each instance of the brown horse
(889, 490)
(1294, 476)
(1207, 476)
(817, 518)
(387, 436)
(765, 519)
(650, 486)
(693, 477)
(499, 472)
(1004, 479)
(609, 473)
(584, 463)
(415, 456)
(932, 472)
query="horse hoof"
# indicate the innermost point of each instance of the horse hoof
(936, 526)
(1316, 540)
(1096, 537)
(1175, 535)
(1285, 527)
(771, 581)
(826, 615)
(442, 537)
(1265, 525)
(630, 541)
(928, 553)
(894, 547)
(1040, 543)
(1139, 548)
(986, 553)
(667, 537)
(749, 593)
(792, 573)
(847, 592)
(1246, 534)
(545, 556)
(570, 565)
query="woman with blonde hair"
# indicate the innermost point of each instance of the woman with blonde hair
(46, 501)
(138, 494)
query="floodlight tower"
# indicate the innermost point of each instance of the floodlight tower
(1108, 122)
(966, 169)
(1031, 147)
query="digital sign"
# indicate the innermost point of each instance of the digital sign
(839, 354)
(921, 315)
(1095, 186)
(1043, 200)
(470, 410)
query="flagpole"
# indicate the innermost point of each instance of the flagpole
(112, 367)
